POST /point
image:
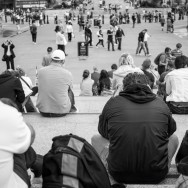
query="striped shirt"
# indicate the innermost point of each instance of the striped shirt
(176, 53)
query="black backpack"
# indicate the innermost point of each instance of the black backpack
(73, 163)
(156, 60)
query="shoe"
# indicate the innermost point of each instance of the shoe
(74, 110)
(66, 54)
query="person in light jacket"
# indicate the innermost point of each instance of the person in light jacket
(60, 39)
(69, 30)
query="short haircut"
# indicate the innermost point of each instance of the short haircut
(179, 45)
(181, 61)
(167, 49)
(114, 66)
(85, 74)
(49, 49)
(135, 78)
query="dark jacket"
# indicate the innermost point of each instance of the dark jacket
(104, 84)
(11, 87)
(119, 33)
(141, 37)
(6, 49)
(138, 126)
(150, 78)
(95, 76)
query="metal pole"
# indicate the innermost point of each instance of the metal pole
(5, 11)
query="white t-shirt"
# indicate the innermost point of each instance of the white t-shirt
(15, 137)
(86, 87)
(177, 85)
(146, 37)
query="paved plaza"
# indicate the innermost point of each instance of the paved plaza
(29, 56)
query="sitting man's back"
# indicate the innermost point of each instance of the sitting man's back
(54, 85)
(138, 126)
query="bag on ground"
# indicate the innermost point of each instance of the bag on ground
(73, 163)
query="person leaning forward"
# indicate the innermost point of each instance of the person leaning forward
(55, 96)
(136, 141)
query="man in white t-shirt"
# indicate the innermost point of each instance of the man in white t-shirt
(177, 87)
(15, 138)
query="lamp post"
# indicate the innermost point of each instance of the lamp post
(5, 11)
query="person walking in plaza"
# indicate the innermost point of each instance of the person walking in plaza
(8, 54)
(33, 30)
(119, 34)
(69, 30)
(141, 44)
(145, 44)
(100, 37)
(110, 33)
(60, 39)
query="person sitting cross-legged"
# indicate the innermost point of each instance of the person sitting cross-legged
(55, 96)
(177, 87)
(137, 140)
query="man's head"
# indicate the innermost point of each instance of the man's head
(114, 67)
(58, 56)
(167, 50)
(49, 50)
(135, 78)
(170, 66)
(146, 64)
(181, 62)
(95, 69)
(178, 46)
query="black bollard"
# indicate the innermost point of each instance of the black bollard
(102, 19)
(47, 20)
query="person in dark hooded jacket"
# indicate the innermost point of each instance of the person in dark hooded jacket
(11, 87)
(136, 141)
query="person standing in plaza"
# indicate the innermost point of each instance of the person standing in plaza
(162, 20)
(110, 33)
(141, 42)
(69, 30)
(146, 37)
(100, 37)
(133, 20)
(33, 30)
(119, 34)
(60, 39)
(8, 54)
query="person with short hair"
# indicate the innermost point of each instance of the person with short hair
(113, 68)
(137, 140)
(69, 30)
(163, 60)
(33, 30)
(60, 39)
(146, 69)
(47, 58)
(55, 96)
(95, 76)
(110, 40)
(177, 52)
(177, 87)
(86, 84)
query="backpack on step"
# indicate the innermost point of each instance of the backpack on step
(73, 163)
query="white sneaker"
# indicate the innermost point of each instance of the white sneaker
(74, 110)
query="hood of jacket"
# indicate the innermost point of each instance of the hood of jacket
(5, 77)
(123, 70)
(138, 93)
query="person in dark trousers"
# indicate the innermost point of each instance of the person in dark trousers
(137, 140)
(110, 33)
(89, 33)
(33, 30)
(100, 37)
(8, 54)
(133, 20)
(119, 34)
(141, 44)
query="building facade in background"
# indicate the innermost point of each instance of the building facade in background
(22, 4)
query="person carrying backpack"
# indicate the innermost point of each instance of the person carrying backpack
(162, 60)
